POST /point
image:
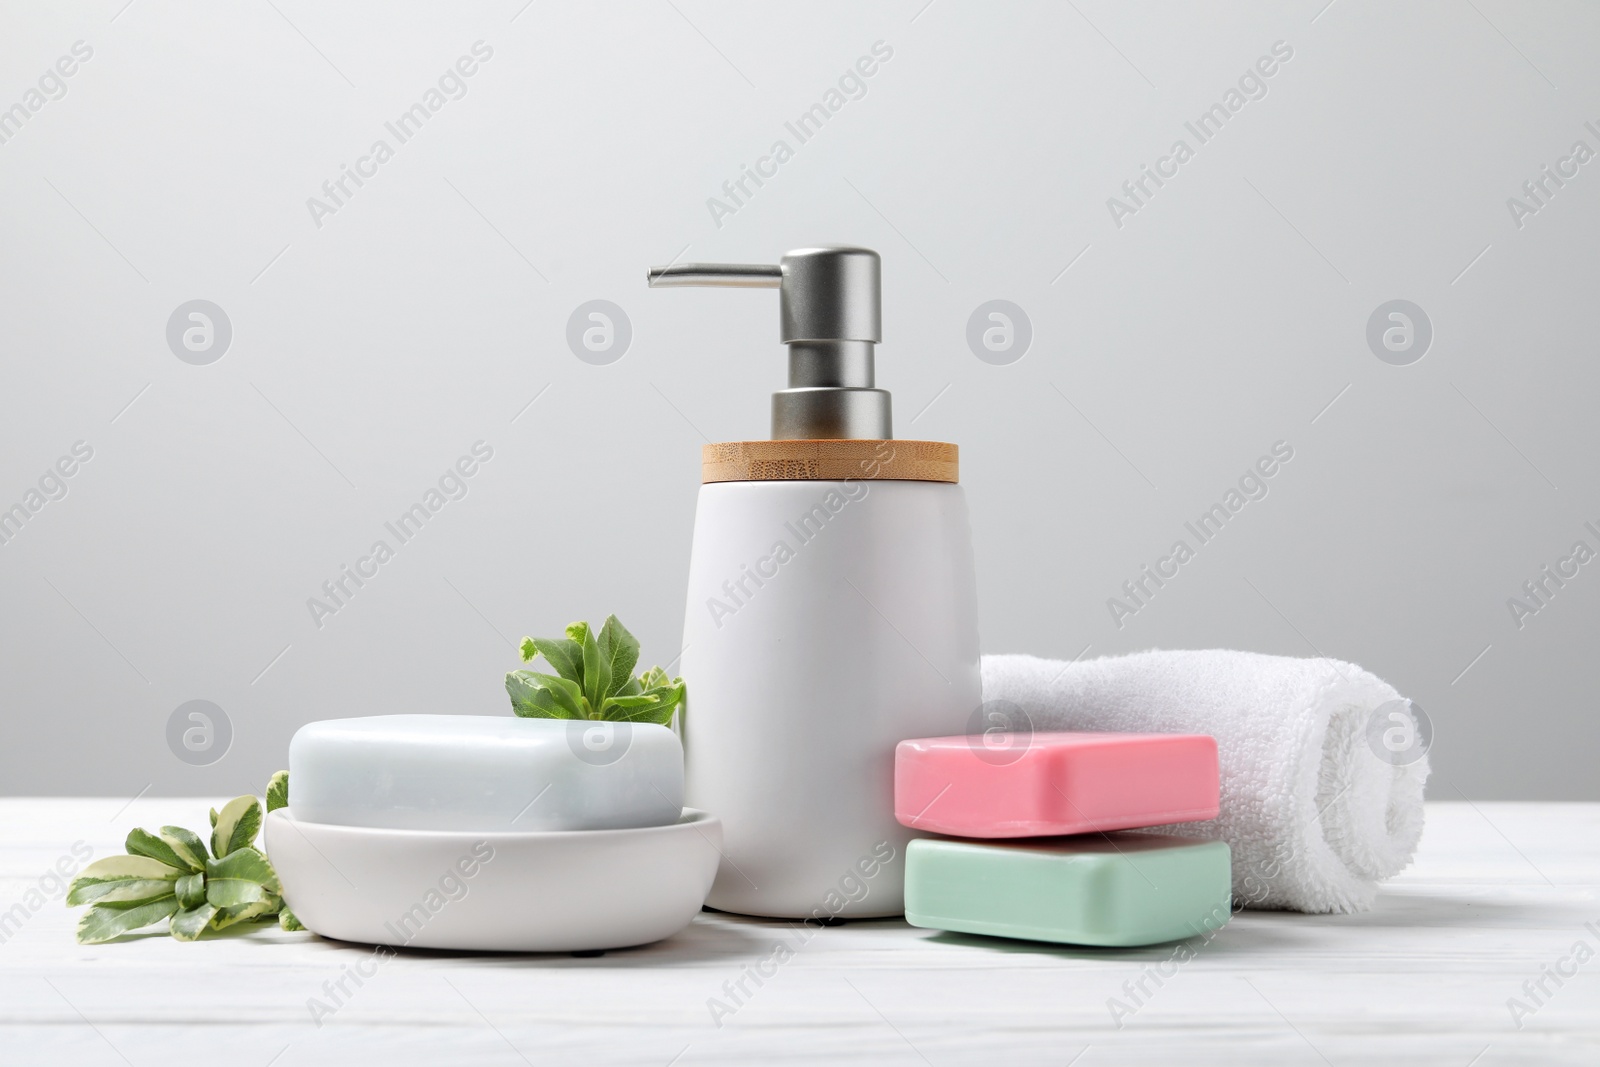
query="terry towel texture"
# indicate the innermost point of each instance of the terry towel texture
(1315, 819)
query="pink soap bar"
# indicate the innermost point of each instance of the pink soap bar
(1014, 785)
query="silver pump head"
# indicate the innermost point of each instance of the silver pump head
(830, 315)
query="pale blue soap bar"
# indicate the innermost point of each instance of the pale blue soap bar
(485, 773)
(1116, 889)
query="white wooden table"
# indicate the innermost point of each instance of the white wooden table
(1499, 893)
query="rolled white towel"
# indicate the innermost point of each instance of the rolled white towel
(1314, 814)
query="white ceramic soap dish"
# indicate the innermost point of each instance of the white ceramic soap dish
(549, 891)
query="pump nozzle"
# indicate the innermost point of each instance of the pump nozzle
(717, 275)
(831, 308)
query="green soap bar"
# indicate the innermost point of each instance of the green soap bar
(1115, 889)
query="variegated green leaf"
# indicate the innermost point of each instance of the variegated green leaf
(247, 863)
(122, 891)
(236, 827)
(190, 923)
(114, 874)
(145, 843)
(101, 923)
(233, 892)
(242, 877)
(127, 867)
(191, 890)
(265, 908)
(278, 791)
(213, 816)
(188, 846)
(288, 921)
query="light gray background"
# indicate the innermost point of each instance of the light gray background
(369, 354)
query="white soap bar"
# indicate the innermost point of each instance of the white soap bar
(483, 773)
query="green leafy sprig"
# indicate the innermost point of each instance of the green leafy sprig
(593, 680)
(170, 875)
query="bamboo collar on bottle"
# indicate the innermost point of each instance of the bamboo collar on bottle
(829, 460)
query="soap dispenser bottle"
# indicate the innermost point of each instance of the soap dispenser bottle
(832, 609)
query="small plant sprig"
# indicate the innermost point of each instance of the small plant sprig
(593, 680)
(171, 876)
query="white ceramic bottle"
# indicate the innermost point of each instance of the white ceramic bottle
(832, 610)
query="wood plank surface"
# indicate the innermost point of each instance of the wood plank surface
(1500, 892)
